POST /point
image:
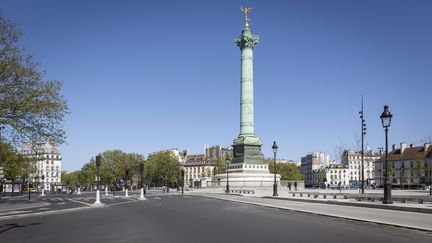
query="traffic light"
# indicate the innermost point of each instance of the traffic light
(98, 160)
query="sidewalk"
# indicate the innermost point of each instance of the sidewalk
(366, 211)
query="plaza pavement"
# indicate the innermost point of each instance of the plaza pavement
(411, 214)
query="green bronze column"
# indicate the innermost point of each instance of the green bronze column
(247, 146)
(246, 42)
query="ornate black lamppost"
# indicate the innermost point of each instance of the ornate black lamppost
(226, 168)
(386, 117)
(274, 147)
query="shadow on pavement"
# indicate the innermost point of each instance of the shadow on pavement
(6, 227)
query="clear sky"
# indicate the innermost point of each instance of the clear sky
(143, 76)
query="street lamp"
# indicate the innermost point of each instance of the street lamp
(363, 132)
(275, 148)
(226, 168)
(386, 117)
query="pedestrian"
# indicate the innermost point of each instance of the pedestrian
(295, 185)
(289, 185)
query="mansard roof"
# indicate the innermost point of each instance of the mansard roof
(409, 153)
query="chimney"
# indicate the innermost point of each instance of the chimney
(393, 147)
(402, 147)
(411, 145)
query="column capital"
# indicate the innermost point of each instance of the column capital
(246, 40)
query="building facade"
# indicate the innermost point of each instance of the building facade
(353, 160)
(409, 167)
(47, 171)
(217, 151)
(199, 170)
(312, 166)
(337, 175)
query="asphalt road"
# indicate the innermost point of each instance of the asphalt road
(189, 219)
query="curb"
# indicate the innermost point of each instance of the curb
(314, 213)
(378, 206)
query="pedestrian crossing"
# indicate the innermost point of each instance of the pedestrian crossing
(87, 199)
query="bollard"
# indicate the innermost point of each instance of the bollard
(142, 195)
(334, 196)
(324, 196)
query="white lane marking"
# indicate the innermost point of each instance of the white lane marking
(72, 200)
(157, 198)
(14, 212)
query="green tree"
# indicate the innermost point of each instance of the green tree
(88, 174)
(419, 166)
(15, 165)
(391, 171)
(116, 162)
(220, 165)
(71, 178)
(162, 168)
(287, 171)
(30, 109)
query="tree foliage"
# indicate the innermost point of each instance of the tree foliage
(287, 171)
(30, 109)
(114, 164)
(71, 179)
(220, 165)
(162, 169)
(15, 165)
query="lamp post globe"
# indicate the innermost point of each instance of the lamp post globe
(275, 148)
(386, 117)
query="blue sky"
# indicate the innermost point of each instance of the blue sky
(143, 76)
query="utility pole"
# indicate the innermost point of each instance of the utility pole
(363, 132)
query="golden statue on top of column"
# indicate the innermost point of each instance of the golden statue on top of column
(245, 13)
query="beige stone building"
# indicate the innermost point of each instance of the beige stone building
(410, 166)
